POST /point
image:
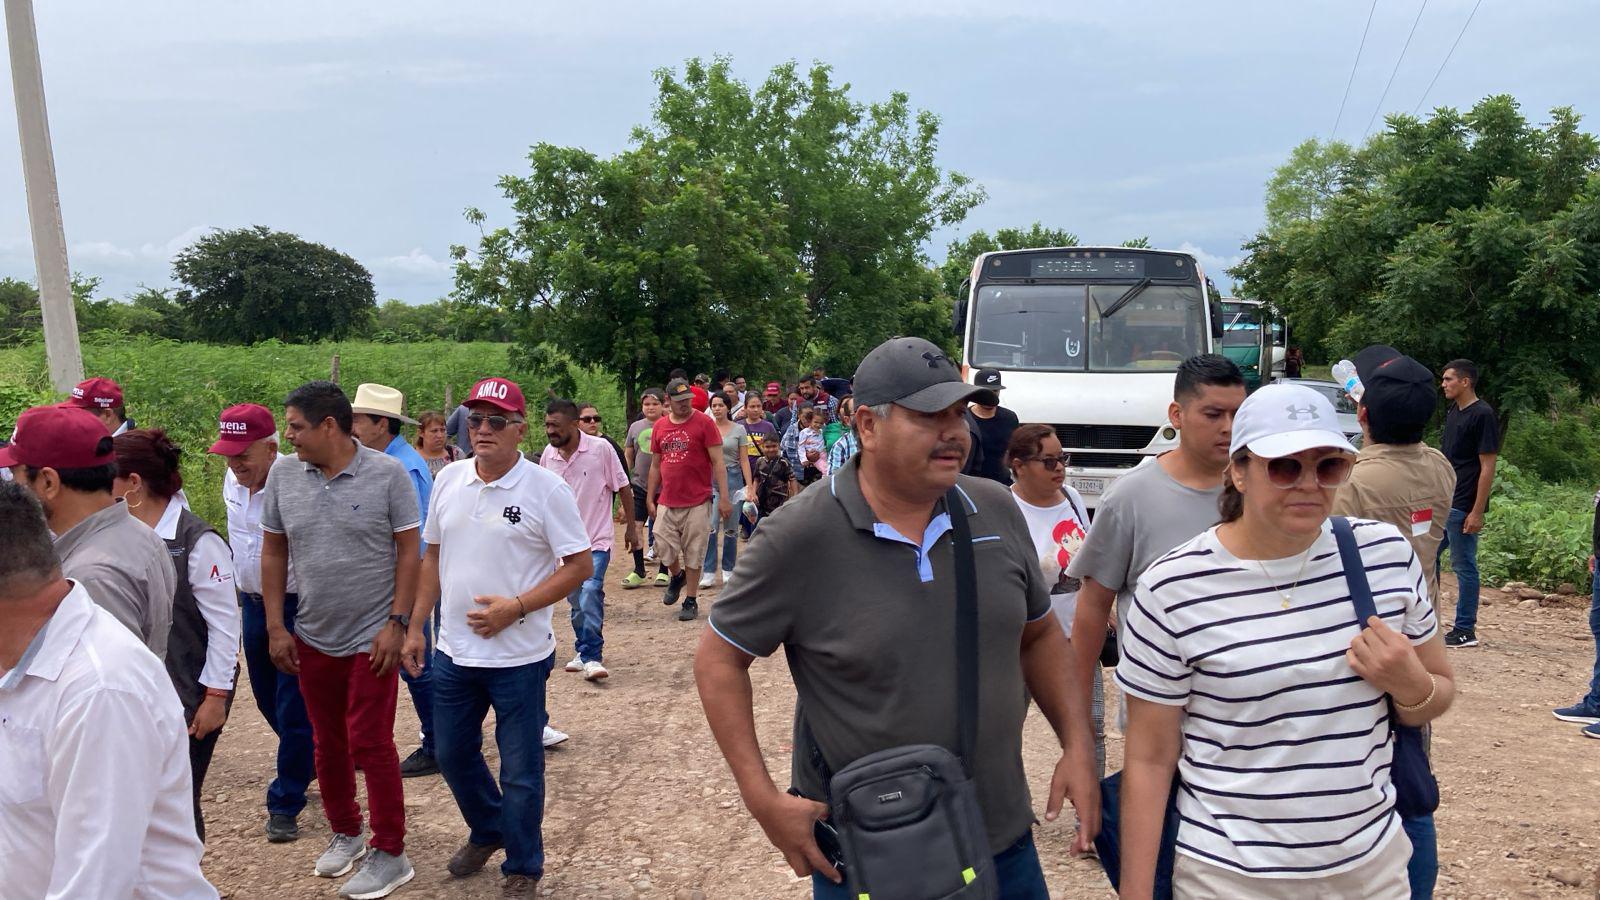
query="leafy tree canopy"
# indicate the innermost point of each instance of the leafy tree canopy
(961, 253)
(254, 284)
(1470, 235)
(745, 227)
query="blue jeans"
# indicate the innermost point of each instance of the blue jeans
(589, 609)
(1017, 868)
(729, 528)
(278, 697)
(1593, 700)
(1464, 562)
(421, 687)
(512, 812)
(1423, 870)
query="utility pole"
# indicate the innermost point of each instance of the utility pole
(44, 202)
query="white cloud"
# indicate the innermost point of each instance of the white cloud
(415, 263)
(1216, 266)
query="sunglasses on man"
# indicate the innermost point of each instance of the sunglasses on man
(496, 423)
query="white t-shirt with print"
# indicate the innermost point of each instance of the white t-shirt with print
(1058, 533)
(499, 538)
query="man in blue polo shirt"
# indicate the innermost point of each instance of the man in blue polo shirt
(865, 654)
(379, 414)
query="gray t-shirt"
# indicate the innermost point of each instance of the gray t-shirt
(639, 442)
(126, 569)
(1142, 516)
(873, 654)
(341, 537)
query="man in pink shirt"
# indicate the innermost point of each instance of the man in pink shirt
(589, 466)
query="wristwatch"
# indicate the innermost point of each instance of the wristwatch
(402, 619)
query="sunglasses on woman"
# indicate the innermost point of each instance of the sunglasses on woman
(588, 418)
(1331, 471)
(1051, 463)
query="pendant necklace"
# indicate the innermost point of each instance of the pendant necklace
(1289, 597)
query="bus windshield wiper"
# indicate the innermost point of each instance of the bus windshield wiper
(1126, 297)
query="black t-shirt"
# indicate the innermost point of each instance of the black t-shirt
(995, 435)
(1467, 433)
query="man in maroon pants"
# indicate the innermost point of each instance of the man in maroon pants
(348, 516)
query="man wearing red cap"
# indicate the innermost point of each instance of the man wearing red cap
(64, 455)
(496, 532)
(248, 439)
(103, 397)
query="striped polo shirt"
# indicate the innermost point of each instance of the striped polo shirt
(1286, 751)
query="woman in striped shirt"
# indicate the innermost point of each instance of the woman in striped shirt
(1246, 672)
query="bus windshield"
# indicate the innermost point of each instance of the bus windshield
(1065, 327)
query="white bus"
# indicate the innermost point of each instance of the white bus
(1088, 340)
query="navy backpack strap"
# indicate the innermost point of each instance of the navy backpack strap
(1355, 572)
(966, 627)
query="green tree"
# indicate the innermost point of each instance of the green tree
(1463, 235)
(1302, 187)
(254, 284)
(856, 188)
(20, 316)
(636, 264)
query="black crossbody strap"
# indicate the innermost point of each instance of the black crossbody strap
(966, 627)
(1355, 571)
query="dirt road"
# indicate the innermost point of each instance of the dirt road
(640, 804)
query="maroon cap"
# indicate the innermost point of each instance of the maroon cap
(96, 393)
(774, 389)
(499, 392)
(60, 437)
(242, 425)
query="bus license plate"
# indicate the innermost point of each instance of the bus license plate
(1089, 485)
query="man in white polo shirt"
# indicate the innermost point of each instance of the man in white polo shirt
(497, 528)
(94, 757)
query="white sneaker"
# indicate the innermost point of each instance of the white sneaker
(650, 552)
(594, 671)
(708, 579)
(576, 665)
(553, 737)
(727, 578)
(344, 851)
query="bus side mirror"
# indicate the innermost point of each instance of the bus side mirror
(958, 313)
(1216, 321)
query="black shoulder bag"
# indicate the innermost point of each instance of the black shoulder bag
(1416, 791)
(908, 819)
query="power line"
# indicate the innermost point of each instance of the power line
(1396, 70)
(1447, 57)
(1351, 80)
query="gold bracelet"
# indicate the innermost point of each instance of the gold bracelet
(524, 617)
(1433, 688)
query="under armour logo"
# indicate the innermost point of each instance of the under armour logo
(354, 507)
(1295, 412)
(935, 358)
(513, 514)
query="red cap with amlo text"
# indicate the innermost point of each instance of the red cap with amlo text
(499, 392)
(58, 437)
(242, 425)
(96, 393)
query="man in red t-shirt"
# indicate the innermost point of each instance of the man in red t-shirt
(688, 456)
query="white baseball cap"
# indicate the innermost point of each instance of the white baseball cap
(1284, 419)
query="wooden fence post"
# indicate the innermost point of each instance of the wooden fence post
(449, 403)
(333, 374)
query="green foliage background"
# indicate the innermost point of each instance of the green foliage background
(182, 387)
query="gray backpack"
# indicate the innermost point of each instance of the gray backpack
(908, 819)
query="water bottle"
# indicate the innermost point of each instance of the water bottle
(1344, 372)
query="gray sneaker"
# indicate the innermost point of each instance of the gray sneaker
(379, 876)
(344, 850)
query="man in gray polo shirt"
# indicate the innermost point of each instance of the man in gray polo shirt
(873, 657)
(349, 517)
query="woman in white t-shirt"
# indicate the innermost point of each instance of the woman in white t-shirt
(1245, 670)
(1058, 523)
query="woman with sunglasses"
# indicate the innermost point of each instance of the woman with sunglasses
(1246, 672)
(1058, 523)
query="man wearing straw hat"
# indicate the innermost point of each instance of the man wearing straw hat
(379, 413)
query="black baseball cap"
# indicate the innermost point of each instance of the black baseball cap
(678, 389)
(916, 374)
(1397, 391)
(989, 378)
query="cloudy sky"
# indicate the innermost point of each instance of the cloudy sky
(370, 126)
